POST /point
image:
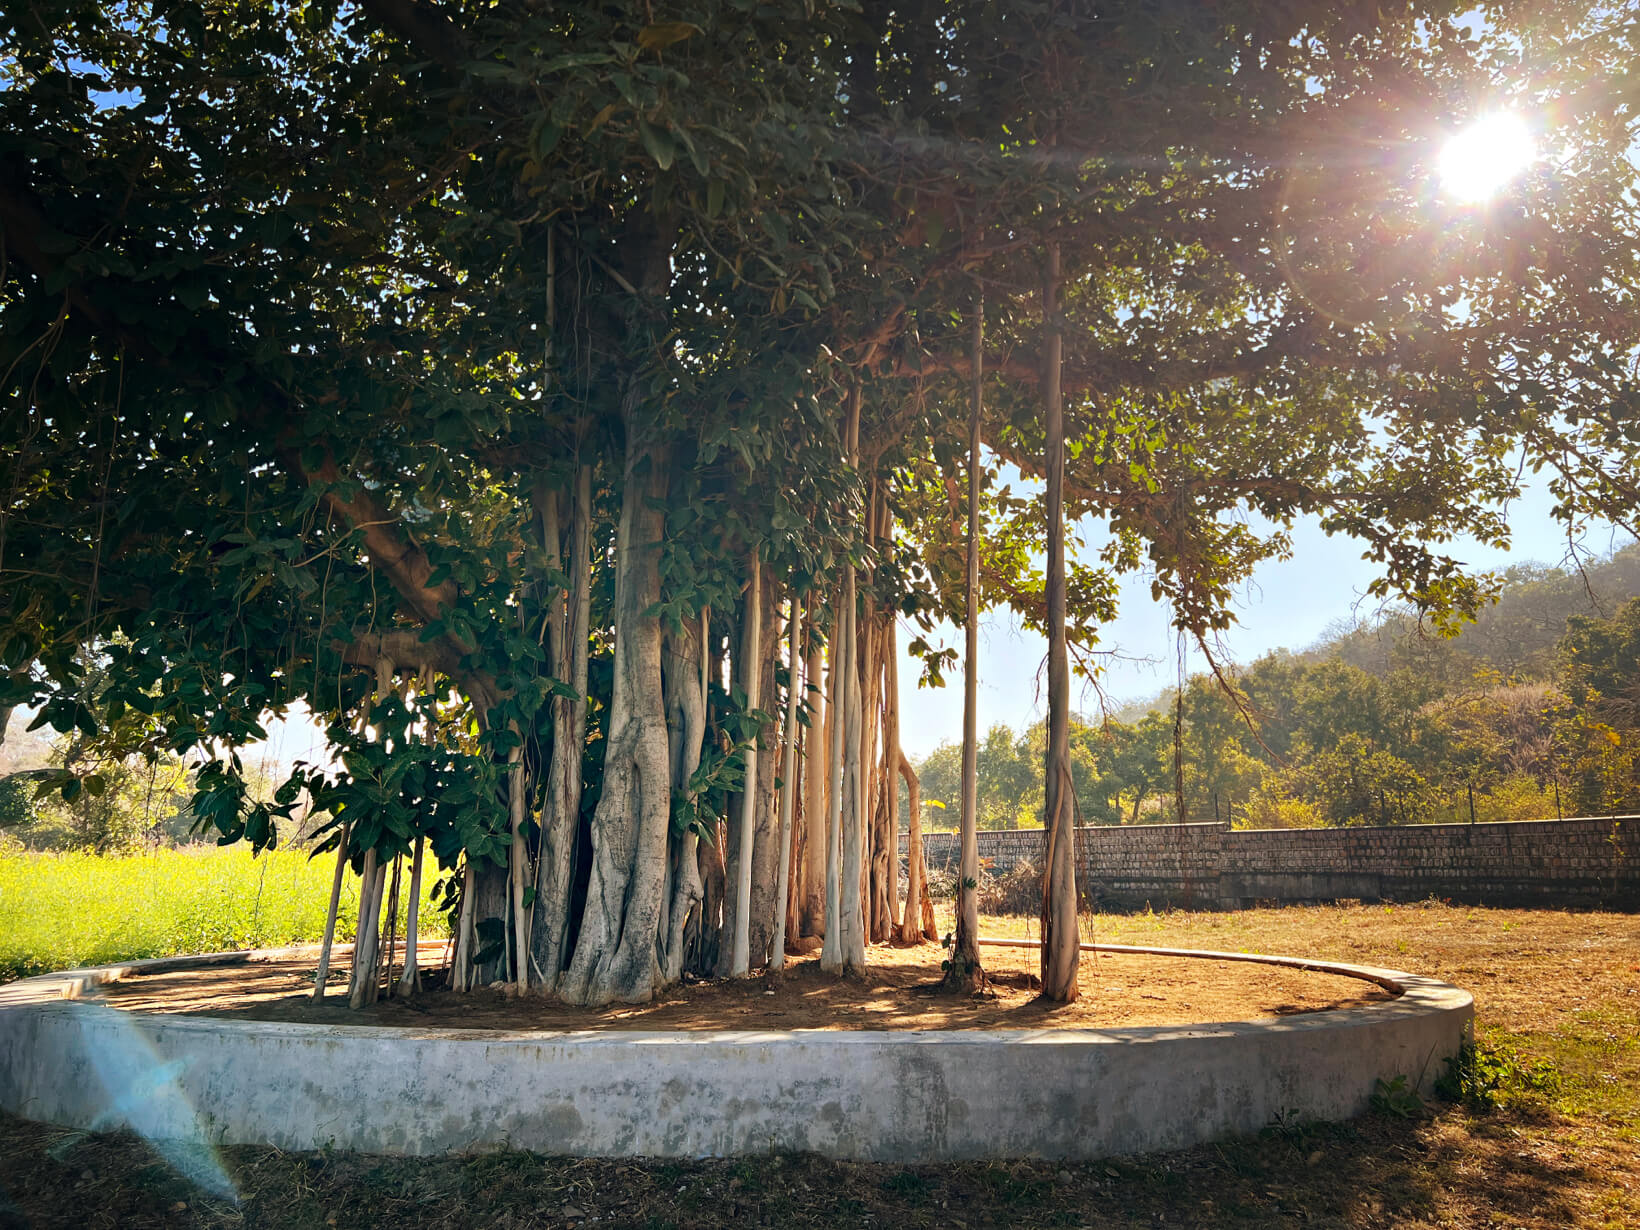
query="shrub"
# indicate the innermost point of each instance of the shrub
(1485, 1076)
(1015, 891)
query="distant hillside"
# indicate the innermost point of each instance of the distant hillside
(1516, 636)
(1519, 717)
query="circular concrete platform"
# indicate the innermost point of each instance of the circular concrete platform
(915, 1096)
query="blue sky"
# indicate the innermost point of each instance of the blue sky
(1288, 604)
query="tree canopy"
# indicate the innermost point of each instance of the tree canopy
(462, 370)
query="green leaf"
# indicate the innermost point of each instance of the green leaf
(659, 145)
(580, 59)
(488, 70)
(546, 139)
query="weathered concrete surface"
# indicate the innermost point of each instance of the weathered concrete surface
(905, 1097)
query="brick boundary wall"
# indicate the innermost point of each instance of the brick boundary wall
(1587, 862)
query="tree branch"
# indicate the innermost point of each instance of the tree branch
(392, 550)
(404, 647)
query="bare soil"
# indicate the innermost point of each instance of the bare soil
(898, 991)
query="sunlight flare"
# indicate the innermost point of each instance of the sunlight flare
(1476, 162)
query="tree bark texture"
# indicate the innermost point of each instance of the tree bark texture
(567, 639)
(851, 919)
(518, 866)
(815, 761)
(1060, 952)
(703, 932)
(615, 953)
(788, 785)
(766, 814)
(492, 893)
(322, 976)
(410, 980)
(368, 932)
(683, 675)
(885, 853)
(392, 930)
(743, 809)
(917, 923)
(965, 972)
(831, 950)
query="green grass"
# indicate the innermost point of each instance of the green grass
(60, 911)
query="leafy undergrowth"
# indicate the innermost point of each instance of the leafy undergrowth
(1546, 1131)
(59, 911)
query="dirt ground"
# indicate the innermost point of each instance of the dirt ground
(898, 991)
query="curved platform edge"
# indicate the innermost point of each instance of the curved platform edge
(909, 1097)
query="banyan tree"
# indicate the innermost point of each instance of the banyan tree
(576, 407)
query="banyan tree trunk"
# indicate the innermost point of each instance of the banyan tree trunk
(813, 906)
(766, 815)
(410, 980)
(372, 874)
(368, 933)
(851, 923)
(1059, 935)
(885, 850)
(392, 930)
(871, 676)
(912, 930)
(788, 788)
(567, 638)
(734, 958)
(704, 930)
(322, 975)
(850, 918)
(615, 952)
(461, 958)
(518, 866)
(965, 973)
(683, 677)
(492, 890)
(831, 950)
(791, 853)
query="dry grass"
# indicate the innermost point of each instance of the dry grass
(1505, 957)
(1564, 987)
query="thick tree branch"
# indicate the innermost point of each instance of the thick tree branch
(404, 647)
(392, 550)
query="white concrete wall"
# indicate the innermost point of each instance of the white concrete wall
(905, 1096)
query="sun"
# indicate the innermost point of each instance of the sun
(1482, 158)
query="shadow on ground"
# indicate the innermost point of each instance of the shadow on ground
(1444, 1169)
